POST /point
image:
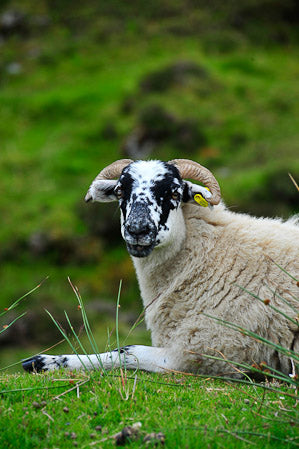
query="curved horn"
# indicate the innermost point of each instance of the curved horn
(112, 171)
(193, 170)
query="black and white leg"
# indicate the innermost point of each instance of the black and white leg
(146, 358)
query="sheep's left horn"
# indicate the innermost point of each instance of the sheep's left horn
(193, 170)
(112, 171)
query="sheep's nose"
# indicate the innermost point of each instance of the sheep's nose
(138, 227)
(139, 224)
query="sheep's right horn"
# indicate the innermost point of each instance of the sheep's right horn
(193, 170)
(112, 171)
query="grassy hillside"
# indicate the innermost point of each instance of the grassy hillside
(78, 87)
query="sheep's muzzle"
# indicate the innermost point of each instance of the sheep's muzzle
(139, 231)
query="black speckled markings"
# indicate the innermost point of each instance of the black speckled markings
(126, 182)
(123, 349)
(34, 364)
(38, 364)
(161, 191)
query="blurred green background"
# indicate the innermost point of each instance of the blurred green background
(85, 83)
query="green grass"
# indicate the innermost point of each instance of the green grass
(189, 411)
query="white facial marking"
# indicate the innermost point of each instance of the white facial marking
(145, 174)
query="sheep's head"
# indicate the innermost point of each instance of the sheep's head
(150, 194)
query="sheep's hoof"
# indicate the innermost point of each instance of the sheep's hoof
(34, 364)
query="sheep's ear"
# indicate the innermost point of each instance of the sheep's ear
(197, 194)
(101, 190)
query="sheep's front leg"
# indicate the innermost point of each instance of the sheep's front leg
(146, 358)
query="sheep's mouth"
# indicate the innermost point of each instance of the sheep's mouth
(140, 250)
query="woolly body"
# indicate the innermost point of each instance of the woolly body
(222, 250)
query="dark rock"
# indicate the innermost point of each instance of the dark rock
(129, 104)
(138, 145)
(178, 73)
(189, 135)
(156, 122)
(109, 131)
(155, 126)
(13, 22)
(39, 243)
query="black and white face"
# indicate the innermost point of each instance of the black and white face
(149, 194)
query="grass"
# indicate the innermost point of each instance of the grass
(92, 408)
(66, 409)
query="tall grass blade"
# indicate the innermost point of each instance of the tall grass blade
(18, 390)
(78, 340)
(246, 382)
(253, 369)
(14, 304)
(139, 320)
(6, 326)
(116, 323)
(66, 338)
(293, 181)
(281, 349)
(108, 347)
(270, 306)
(284, 270)
(275, 293)
(87, 327)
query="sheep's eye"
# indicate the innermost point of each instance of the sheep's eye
(175, 195)
(119, 193)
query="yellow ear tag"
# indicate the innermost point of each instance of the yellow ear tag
(200, 200)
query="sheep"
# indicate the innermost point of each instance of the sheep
(190, 262)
